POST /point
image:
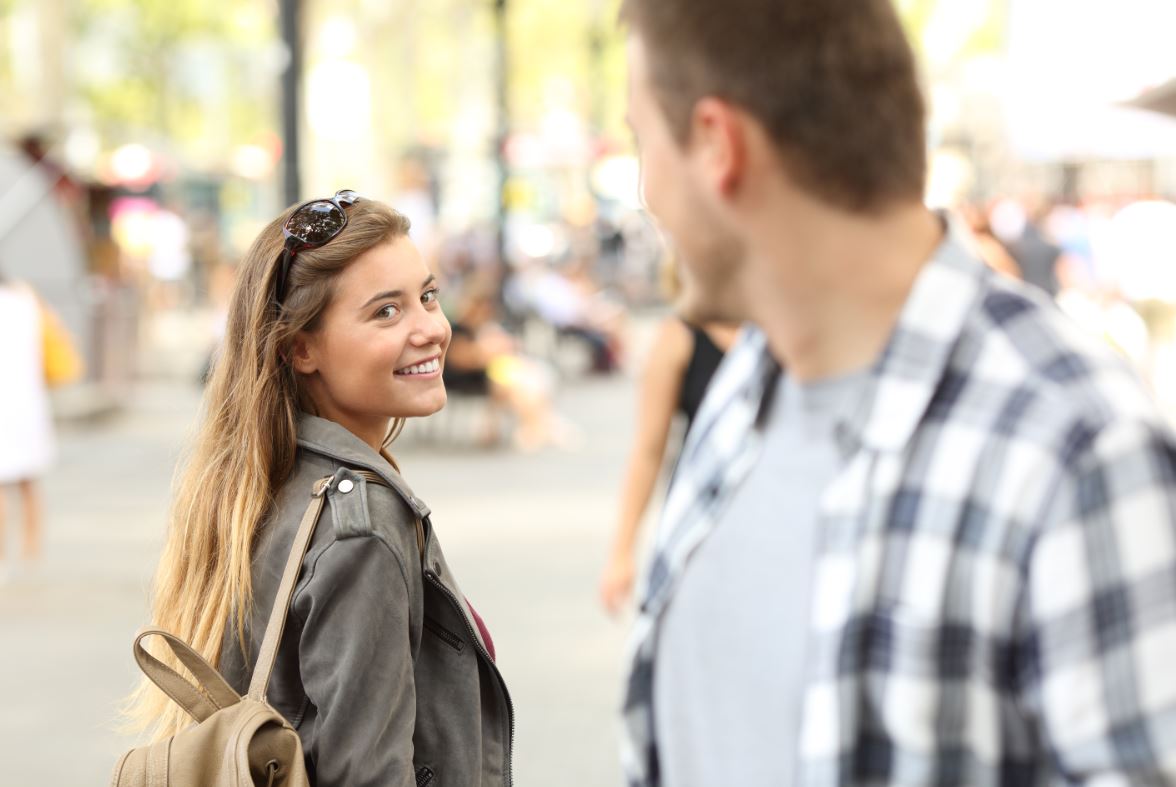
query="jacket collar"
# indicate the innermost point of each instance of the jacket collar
(335, 442)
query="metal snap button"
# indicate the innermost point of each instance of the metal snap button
(346, 485)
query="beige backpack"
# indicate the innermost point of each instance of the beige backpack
(236, 741)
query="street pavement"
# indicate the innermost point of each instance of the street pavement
(525, 534)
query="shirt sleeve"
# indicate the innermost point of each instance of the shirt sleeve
(1100, 634)
(357, 669)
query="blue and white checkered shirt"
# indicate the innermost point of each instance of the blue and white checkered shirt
(995, 580)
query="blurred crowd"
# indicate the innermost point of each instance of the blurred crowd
(1106, 262)
(146, 285)
(544, 298)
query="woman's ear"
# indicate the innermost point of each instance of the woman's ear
(302, 354)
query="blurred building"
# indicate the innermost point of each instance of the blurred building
(1032, 96)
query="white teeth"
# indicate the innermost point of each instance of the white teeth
(422, 368)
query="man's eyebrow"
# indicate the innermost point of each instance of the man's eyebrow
(393, 294)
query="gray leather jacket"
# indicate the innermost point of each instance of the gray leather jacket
(381, 668)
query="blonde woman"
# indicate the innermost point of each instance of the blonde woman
(334, 336)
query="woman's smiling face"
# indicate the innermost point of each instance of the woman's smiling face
(379, 346)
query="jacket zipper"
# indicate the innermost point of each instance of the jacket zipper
(432, 577)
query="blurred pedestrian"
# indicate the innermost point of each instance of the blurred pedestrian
(940, 549)
(26, 425)
(677, 372)
(679, 368)
(988, 246)
(1024, 236)
(335, 335)
(568, 300)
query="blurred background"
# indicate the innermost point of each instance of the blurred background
(143, 143)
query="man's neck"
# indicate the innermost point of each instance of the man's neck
(829, 287)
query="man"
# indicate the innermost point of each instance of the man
(939, 549)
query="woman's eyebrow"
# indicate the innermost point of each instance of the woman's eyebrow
(392, 294)
(382, 296)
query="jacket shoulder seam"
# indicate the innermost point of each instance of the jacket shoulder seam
(312, 569)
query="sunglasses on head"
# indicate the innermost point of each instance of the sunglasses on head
(312, 225)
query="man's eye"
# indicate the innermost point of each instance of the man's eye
(430, 296)
(388, 312)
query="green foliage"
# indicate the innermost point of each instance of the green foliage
(430, 59)
(986, 38)
(574, 41)
(916, 14)
(152, 95)
(991, 36)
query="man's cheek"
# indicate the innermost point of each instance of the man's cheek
(651, 190)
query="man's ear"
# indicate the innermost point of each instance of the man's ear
(717, 139)
(302, 355)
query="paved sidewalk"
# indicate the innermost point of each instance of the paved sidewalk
(525, 534)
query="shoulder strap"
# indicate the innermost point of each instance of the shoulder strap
(277, 620)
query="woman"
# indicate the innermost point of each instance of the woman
(384, 669)
(675, 378)
(26, 425)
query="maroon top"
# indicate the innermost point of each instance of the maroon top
(485, 632)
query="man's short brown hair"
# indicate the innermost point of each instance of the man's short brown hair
(834, 83)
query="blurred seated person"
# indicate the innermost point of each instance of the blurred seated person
(568, 299)
(483, 360)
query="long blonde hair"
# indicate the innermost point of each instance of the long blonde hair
(245, 446)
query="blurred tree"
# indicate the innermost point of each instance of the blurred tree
(188, 73)
(432, 54)
(6, 8)
(579, 44)
(955, 31)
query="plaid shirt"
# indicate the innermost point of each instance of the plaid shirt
(995, 578)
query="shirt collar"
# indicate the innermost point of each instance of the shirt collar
(907, 373)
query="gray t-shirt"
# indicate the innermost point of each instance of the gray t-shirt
(729, 670)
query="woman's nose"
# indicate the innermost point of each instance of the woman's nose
(430, 328)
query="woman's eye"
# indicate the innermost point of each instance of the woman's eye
(388, 312)
(430, 296)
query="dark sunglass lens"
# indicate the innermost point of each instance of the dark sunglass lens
(316, 223)
(347, 197)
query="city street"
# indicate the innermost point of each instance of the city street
(954, 231)
(525, 534)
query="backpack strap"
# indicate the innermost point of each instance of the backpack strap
(158, 762)
(268, 654)
(277, 620)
